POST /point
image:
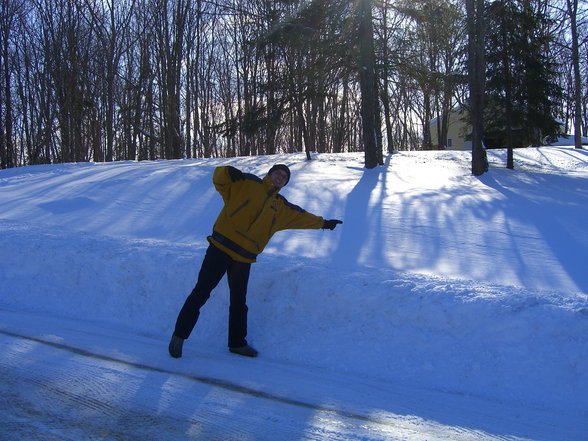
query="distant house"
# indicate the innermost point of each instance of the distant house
(563, 140)
(457, 131)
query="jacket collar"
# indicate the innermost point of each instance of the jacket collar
(269, 186)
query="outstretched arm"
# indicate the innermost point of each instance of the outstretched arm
(294, 217)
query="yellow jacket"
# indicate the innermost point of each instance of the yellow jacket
(253, 211)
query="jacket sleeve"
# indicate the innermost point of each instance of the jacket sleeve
(222, 181)
(293, 217)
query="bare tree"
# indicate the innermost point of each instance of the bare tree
(170, 18)
(476, 80)
(368, 84)
(10, 11)
(572, 10)
(67, 51)
(110, 21)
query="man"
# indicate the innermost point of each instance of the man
(253, 211)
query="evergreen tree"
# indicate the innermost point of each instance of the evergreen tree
(521, 84)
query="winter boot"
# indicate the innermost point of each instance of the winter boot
(246, 351)
(175, 346)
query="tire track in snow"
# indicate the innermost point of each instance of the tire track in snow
(72, 392)
(63, 399)
(36, 406)
(223, 384)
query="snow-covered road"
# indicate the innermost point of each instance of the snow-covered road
(52, 387)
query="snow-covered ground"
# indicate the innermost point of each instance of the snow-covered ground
(445, 307)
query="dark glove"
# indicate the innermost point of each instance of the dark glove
(331, 224)
(235, 174)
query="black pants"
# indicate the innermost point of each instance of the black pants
(215, 265)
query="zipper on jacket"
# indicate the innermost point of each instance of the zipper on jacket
(257, 216)
(240, 207)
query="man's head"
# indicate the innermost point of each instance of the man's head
(279, 174)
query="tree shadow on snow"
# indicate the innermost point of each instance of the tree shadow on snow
(557, 206)
(361, 215)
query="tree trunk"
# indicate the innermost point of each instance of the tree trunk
(8, 147)
(367, 78)
(476, 80)
(572, 11)
(507, 99)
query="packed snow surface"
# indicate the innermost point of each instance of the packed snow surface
(446, 306)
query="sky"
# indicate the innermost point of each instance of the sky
(445, 306)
